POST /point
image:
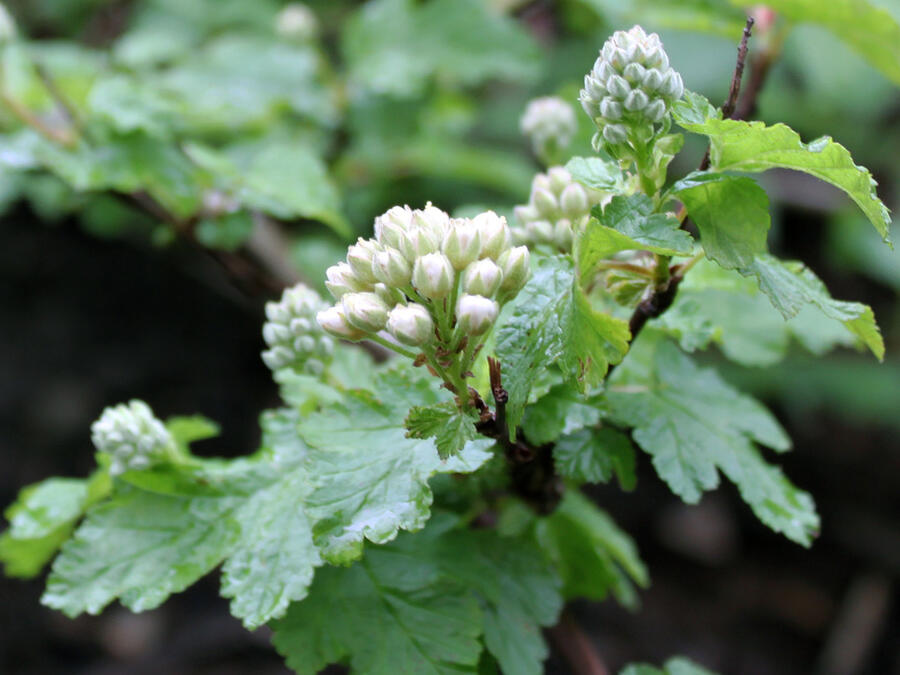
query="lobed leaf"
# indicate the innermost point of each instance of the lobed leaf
(450, 427)
(594, 455)
(597, 173)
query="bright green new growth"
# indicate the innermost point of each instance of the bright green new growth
(131, 437)
(293, 335)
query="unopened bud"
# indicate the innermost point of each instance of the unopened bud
(291, 333)
(340, 279)
(391, 268)
(433, 276)
(8, 28)
(494, 233)
(359, 257)
(462, 245)
(545, 203)
(515, 265)
(433, 220)
(574, 200)
(365, 311)
(334, 321)
(131, 436)
(297, 22)
(476, 314)
(411, 324)
(482, 277)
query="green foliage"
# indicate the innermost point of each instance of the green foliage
(676, 666)
(450, 427)
(588, 456)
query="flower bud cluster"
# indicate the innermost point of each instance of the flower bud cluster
(426, 281)
(132, 436)
(631, 88)
(293, 335)
(297, 21)
(558, 207)
(550, 124)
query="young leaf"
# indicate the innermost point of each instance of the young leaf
(371, 480)
(393, 612)
(871, 30)
(594, 455)
(42, 518)
(692, 423)
(732, 214)
(187, 429)
(753, 146)
(450, 428)
(140, 547)
(596, 173)
(553, 321)
(561, 410)
(790, 286)
(629, 223)
(593, 556)
(274, 558)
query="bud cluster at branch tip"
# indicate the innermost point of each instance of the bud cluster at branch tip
(294, 337)
(630, 90)
(297, 22)
(550, 124)
(427, 282)
(131, 436)
(557, 209)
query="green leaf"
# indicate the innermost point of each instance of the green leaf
(870, 30)
(274, 558)
(394, 46)
(187, 429)
(371, 480)
(561, 410)
(450, 427)
(675, 666)
(553, 321)
(753, 146)
(140, 547)
(593, 556)
(790, 286)
(42, 518)
(627, 223)
(594, 455)
(393, 612)
(228, 231)
(731, 213)
(127, 105)
(596, 173)
(693, 424)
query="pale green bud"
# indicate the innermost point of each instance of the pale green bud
(482, 277)
(550, 124)
(365, 311)
(422, 241)
(433, 220)
(574, 200)
(433, 276)
(411, 324)
(340, 279)
(391, 268)
(563, 234)
(516, 269)
(494, 232)
(131, 436)
(545, 203)
(476, 314)
(291, 332)
(389, 294)
(333, 320)
(462, 245)
(359, 257)
(392, 229)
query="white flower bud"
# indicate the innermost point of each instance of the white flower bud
(422, 242)
(462, 245)
(334, 321)
(411, 324)
(516, 269)
(432, 220)
(494, 232)
(291, 332)
(8, 28)
(433, 276)
(389, 294)
(550, 124)
(574, 200)
(359, 257)
(131, 436)
(391, 268)
(476, 314)
(392, 229)
(630, 87)
(563, 234)
(545, 203)
(340, 279)
(297, 22)
(365, 311)
(482, 277)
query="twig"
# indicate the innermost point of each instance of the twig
(62, 103)
(576, 647)
(61, 136)
(501, 397)
(735, 89)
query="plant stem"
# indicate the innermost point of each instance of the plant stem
(394, 348)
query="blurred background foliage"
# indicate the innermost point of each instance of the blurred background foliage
(219, 128)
